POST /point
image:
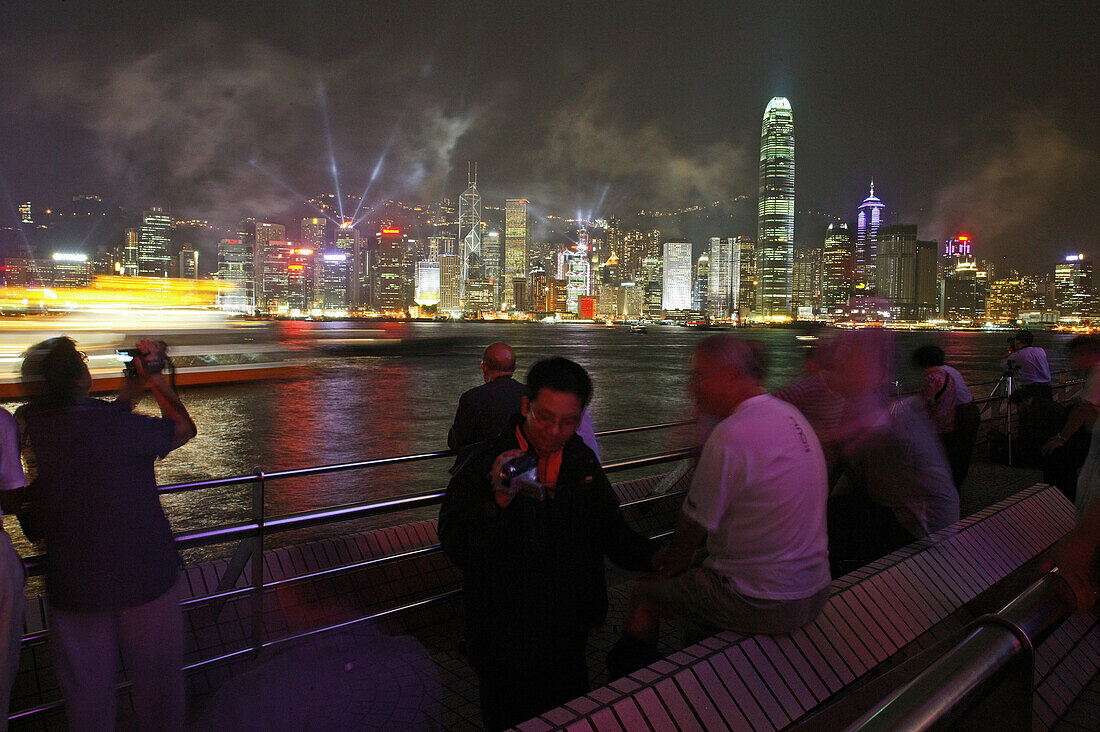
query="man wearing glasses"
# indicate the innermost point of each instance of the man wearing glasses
(532, 559)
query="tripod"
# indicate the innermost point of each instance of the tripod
(1008, 381)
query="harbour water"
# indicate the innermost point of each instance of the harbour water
(351, 408)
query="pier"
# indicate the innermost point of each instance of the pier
(362, 589)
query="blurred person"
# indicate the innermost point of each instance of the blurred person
(1039, 418)
(112, 569)
(12, 577)
(817, 397)
(950, 406)
(1076, 559)
(757, 502)
(533, 562)
(1085, 354)
(896, 484)
(1027, 362)
(484, 411)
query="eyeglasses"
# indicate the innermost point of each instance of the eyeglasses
(549, 420)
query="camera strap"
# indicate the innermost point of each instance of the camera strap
(549, 468)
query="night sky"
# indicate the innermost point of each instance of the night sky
(981, 119)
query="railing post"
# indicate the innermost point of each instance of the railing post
(258, 563)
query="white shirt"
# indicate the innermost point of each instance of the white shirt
(1032, 361)
(760, 491)
(11, 469)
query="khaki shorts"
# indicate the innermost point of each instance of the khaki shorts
(705, 600)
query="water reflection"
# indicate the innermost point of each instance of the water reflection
(350, 409)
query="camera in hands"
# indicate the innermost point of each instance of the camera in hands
(520, 476)
(154, 361)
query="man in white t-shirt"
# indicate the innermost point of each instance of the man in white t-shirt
(12, 601)
(758, 501)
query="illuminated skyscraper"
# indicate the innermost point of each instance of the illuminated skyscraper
(269, 272)
(390, 289)
(700, 283)
(775, 214)
(1073, 288)
(516, 237)
(896, 264)
(492, 263)
(725, 276)
(867, 224)
(427, 283)
(153, 239)
(651, 281)
(450, 283)
(469, 230)
(676, 292)
(352, 247)
(333, 294)
(25, 215)
(837, 263)
(189, 262)
(314, 233)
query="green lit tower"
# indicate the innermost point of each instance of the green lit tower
(775, 241)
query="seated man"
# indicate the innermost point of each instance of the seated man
(533, 562)
(758, 501)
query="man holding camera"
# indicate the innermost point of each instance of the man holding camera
(1027, 363)
(531, 548)
(113, 569)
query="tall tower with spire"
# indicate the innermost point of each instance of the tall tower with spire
(867, 224)
(469, 230)
(775, 241)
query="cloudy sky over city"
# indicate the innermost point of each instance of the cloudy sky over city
(975, 116)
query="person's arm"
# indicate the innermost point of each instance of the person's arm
(1083, 413)
(461, 432)
(622, 544)
(475, 519)
(687, 539)
(12, 481)
(171, 408)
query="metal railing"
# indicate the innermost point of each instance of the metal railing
(252, 533)
(992, 664)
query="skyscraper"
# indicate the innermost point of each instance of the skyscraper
(349, 244)
(390, 290)
(268, 269)
(314, 233)
(837, 264)
(492, 263)
(1073, 288)
(700, 283)
(775, 213)
(896, 264)
(867, 224)
(676, 280)
(515, 246)
(153, 239)
(450, 285)
(469, 230)
(725, 276)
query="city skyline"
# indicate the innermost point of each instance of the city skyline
(966, 129)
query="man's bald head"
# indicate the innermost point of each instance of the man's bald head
(498, 360)
(725, 371)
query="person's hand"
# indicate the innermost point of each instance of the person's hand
(1052, 444)
(1072, 557)
(659, 557)
(503, 494)
(145, 347)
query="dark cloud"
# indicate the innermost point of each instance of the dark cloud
(1021, 176)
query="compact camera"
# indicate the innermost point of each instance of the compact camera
(154, 362)
(520, 476)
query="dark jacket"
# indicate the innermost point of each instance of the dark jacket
(536, 565)
(483, 412)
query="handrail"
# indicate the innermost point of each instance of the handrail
(959, 679)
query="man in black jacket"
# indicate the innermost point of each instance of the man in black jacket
(533, 569)
(485, 410)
